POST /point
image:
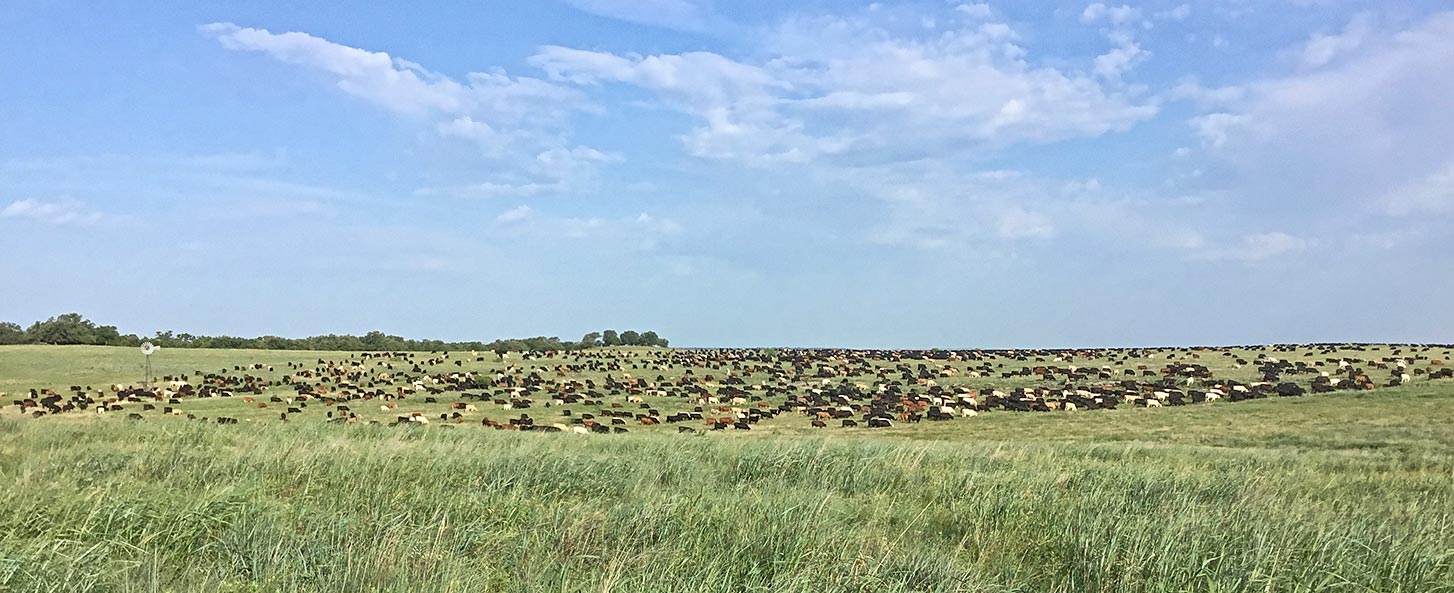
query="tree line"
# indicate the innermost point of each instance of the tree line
(72, 328)
(627, 338)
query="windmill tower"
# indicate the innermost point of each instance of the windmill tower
(147, 348)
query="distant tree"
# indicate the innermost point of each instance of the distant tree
(272, 343)
(377, 340)
(337, 342)
(650, 339)
(630, 338)
(11, 333)
(166, 339)
(230, 342)
(70, 328)
(106, 335)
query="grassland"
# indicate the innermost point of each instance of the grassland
(1337, 492)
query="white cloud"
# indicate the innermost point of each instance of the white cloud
(936, 207)
(977, 10)
(554, 171)
(392, 83)
(1116, 15)
(494, 189)
(1125, 53)
(1192, 90)
(1255, 247)
(1385, 240)
(1018, 223)
(1351, 133)
(685, 15)
(1213, 128)
(850, 90)
(1175, 14)
(1181, 239)
(1120, 60)
(514, 122)
(692, 76)
(515, 214)
(658, 225)
(1433, 193)
(639, 233)
(58, 213)
(1321, 49)
(408, 88)
(199, 189)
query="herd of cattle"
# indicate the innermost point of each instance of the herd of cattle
(609, 390)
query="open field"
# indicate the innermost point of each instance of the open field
(668, 381)
(1345, 491)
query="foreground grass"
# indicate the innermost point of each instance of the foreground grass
(119, 507)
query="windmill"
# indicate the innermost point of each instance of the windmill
(147, 348)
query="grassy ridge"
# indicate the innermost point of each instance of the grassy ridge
(117, 507)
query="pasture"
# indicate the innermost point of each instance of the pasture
(1345, 490)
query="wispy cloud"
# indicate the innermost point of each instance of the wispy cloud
(684, 15)
(57, 213)
(1176, 13)
(637, 233)
(230, 186)
(1323, 48)
(851, 89)
(1254, 247)
(1433, 193)
(517, 124)
(515, 214)
(1122, 15)
(1121, 24)
(1349, 133)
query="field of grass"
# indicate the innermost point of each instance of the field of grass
(1339, 492)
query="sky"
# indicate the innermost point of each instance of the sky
(749, 173)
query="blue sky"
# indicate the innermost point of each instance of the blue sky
(735, 173)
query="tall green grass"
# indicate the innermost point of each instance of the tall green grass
(303, 507)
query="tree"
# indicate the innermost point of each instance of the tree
(377, 340)
(10, 333)
(651, 339)
(610, 338)
(630, 338)
(70, 328)
(272, 343)
(106, 335)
